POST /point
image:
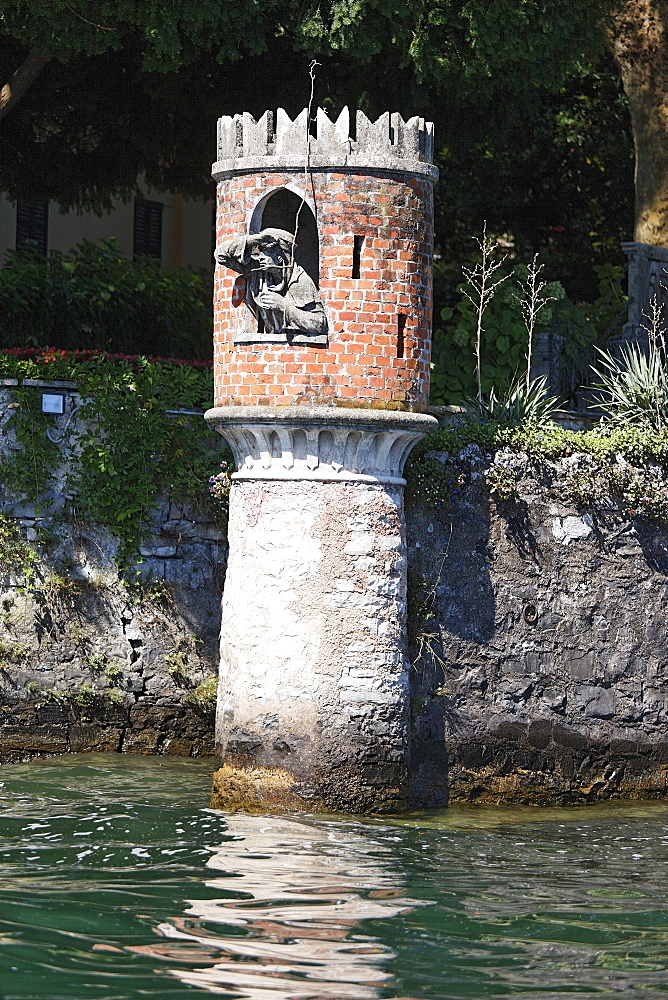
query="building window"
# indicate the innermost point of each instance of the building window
(401, 326)
(32, 226)
(148, 228)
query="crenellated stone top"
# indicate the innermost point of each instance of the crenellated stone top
(389, 143)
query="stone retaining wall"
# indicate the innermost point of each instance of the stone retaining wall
(546, 675)
(85, 662)
(538, 631)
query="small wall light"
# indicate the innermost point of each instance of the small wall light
(52, 403)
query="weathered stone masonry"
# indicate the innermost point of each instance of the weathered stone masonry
(85, 665)
(550, 681)
(550, 678)
(314, 676)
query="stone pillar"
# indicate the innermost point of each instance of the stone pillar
(647, 277)
(322, 352)
(313, 696)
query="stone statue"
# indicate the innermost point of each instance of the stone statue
(279, 292)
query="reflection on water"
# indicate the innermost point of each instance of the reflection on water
(301, 890)
(118, 883)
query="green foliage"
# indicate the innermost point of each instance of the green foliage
(636, 444)
(442, 38)
(28, 473)
(424, 635)
(169, 34)
(532, 126)
(17, 557)
(622, 468)
(634, 387)
(157, 592)
(553, 171)
(13, 652)
(503, 348)
(432, 482)
(587, 326)
(111, 668)
(113, 672)
(126, 450)
(78, 635)
(204, 696)
(96, 661)
(520, 405)
(58, 588)
(501, 481)
(87, 699)
(178, 659)
(54, 696)
(93, 297)
(86, 696)
(639, 492)
(642, 492)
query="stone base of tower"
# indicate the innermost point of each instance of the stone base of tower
(313, 703)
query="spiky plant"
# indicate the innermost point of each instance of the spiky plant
(521, 404)
(633, 388)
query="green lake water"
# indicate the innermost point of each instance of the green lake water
(117, 882)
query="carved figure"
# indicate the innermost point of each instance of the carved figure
(279, 292)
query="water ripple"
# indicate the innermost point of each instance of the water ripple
(304, 888)
(118, 883)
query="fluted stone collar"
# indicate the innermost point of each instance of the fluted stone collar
(326, 443)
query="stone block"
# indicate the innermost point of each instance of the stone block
(175, 747)
(94, 738)
(158, 551)
(142, 741)
(37, 739)
(539, 733)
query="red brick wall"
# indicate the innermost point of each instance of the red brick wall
(361, 366)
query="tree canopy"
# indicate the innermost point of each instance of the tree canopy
(531, 122)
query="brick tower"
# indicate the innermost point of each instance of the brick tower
(322, 328)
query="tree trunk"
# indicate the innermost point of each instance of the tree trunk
(21, 80)
(638, 40)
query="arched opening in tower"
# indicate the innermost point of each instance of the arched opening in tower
(285, 210)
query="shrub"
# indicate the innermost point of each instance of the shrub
(503, 342)
(204, 696)
(579, 327)
(521, 404)
(94, 297)
(621, 470)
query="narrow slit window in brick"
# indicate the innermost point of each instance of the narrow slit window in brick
(358, 242)
(401, 326)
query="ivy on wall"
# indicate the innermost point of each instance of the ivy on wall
(124, 448)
